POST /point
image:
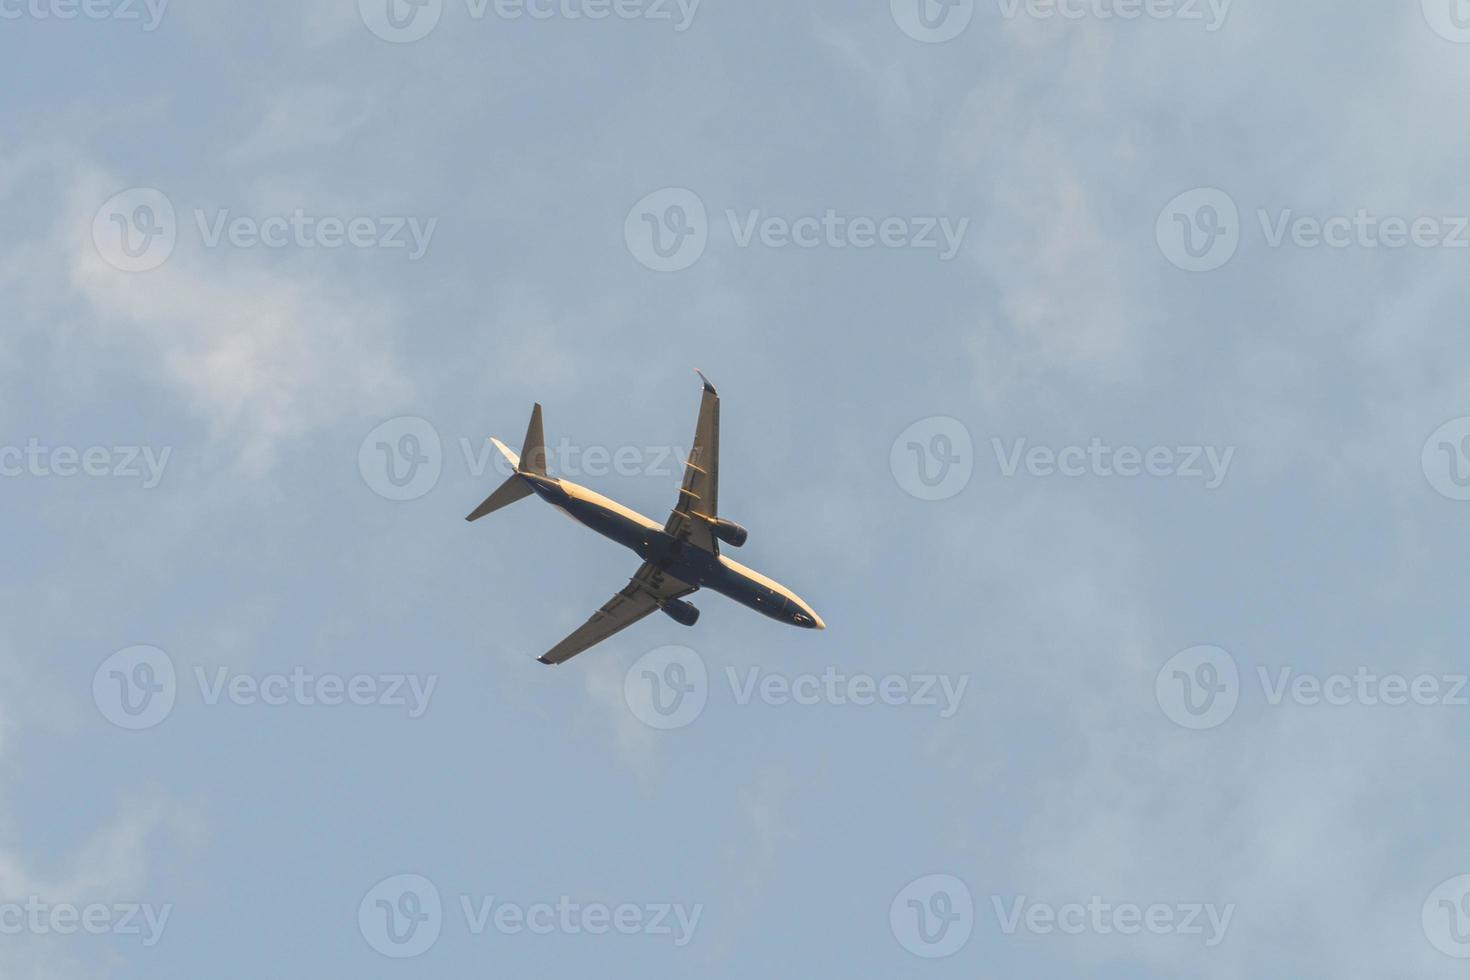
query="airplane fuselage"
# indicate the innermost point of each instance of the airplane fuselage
(677, 558)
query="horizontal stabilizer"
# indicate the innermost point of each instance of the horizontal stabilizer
(508, 453)
(508, 493)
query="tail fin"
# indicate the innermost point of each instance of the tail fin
(533, 451)
(531, 460)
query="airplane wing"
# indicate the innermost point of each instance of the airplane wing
(641, 596)
(698, 504)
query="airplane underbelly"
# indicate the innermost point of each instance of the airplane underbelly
(610, 524)
(749, 593)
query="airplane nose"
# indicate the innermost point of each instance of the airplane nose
(807, 619)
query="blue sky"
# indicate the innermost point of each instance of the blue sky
(1099, 379)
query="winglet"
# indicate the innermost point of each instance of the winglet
(707, 386)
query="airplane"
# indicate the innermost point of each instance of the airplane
(680, 556)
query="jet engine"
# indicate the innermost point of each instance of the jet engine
(681, 612)
(731, 533)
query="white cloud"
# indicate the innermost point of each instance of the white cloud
(261, 357)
